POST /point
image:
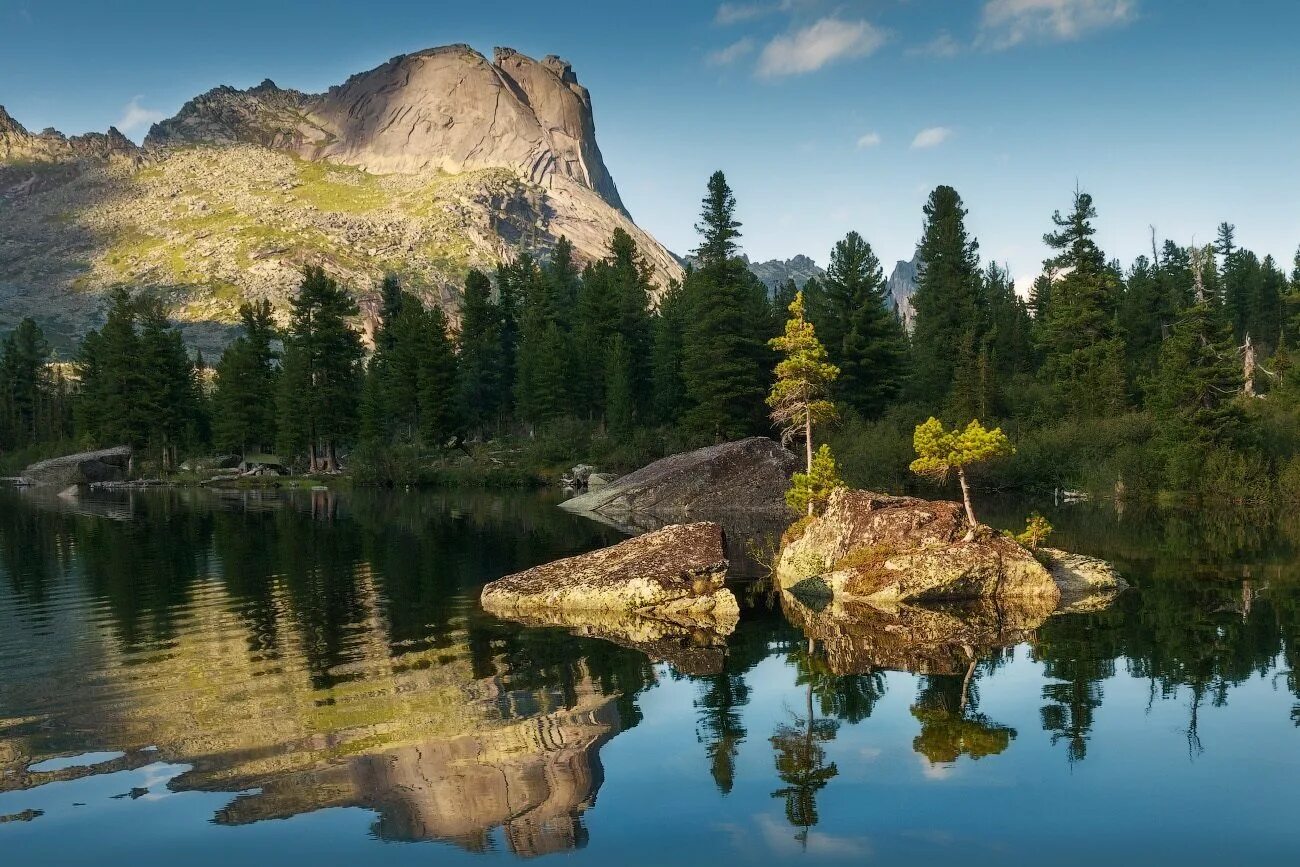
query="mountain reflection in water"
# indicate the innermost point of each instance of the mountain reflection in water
(292, 653)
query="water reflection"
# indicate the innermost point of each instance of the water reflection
(301, 652)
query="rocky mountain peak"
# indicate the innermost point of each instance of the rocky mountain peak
(447, 109)
(426, 165)
(8, 125)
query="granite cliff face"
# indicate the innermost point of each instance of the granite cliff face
(425, 166)
(901, 286)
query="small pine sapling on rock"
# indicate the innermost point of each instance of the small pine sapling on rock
(940, 452)
(809, 491)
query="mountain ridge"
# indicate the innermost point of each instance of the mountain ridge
(426, 165)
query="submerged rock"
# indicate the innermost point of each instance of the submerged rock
(746, 476)
(675, 574)
(84, 468)
(893, 549)
(1079, 574)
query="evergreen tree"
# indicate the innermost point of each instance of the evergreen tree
(946, 296)
(243, 401)
(862, 335)
(620, 394)
(668, 330)
(166, 403)
(1197, 380)
(327, 355)
(542, 378)
(783, 296)
(939, 453)
(718, 226)
(724, 364)
(28, 397)
(1083, 357)
(800, 397)
(482, 355)
(439, 410)
(108, 366)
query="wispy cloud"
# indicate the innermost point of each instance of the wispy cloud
(868, 140)
(943, 45)
(730, 54)
(736, 13)
(810, 48)
(782, 842)
(1005, 23)
(931, 137)
(137, 118)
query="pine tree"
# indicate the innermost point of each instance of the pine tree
(718, 226)
(800, 397)
(27, 393)
(327, 356)
(482, 381)
(108, 367)
(166, 404)
(620, 395)
(1198, 378)
(941, 452)
(1083, 357)
(439, 411)
(946, 297)
(668, 328)
(810, 491)
(724, 369)
(862, 335)
(542, 378)
(243, 401)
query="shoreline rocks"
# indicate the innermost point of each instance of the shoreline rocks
(747, 476)
(888, 549)
(83, 468)
(675, 574)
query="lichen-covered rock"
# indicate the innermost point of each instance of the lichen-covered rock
(890, 549)
(83, 468)
(1079, 574)
(675, 574)
(746, 476)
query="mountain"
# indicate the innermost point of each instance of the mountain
(899, 289)
(901, 286)
(775, 272)
(425, 166)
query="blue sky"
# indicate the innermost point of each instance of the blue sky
(826, 116)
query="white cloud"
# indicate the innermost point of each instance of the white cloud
(137, 118)
(780, 839)
(869, 140)
(811, 48)
(1004, 23)
(735, 13)
(931, 137)
(943, 45)
(730, 54)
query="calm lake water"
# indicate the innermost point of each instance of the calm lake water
(187, 677)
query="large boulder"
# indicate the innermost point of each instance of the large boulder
(1079, 575)
(895, 549)
(675, 574)
(84, 468)
(747, 476)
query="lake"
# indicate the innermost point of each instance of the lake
(207, 678)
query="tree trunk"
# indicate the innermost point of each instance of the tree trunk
(965, 497)
(807, 445)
